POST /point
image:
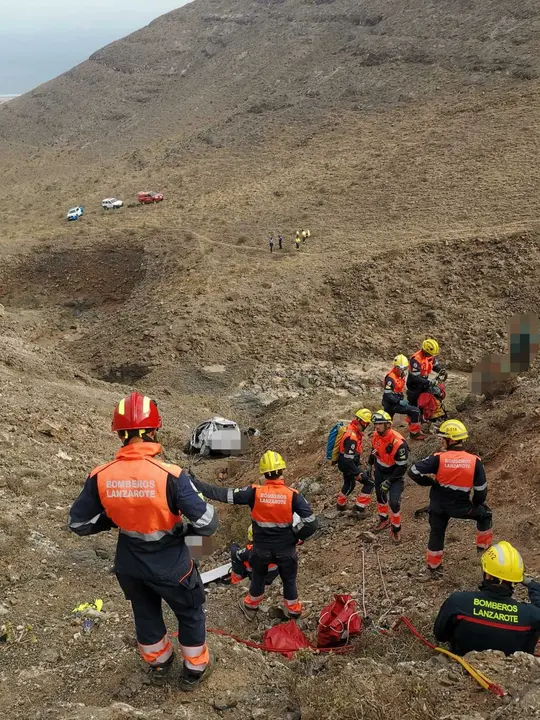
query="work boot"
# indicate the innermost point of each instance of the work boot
(190, 680)
(431, 574)
(382, 525)
(249, 612)
(359, 511)
(156, 674)
(395, 534)
(291, 614)
(341, 503)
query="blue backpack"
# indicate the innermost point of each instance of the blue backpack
(332, 444)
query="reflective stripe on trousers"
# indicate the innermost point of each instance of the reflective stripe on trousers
(363, 500)
(157, 653)
(395, 519)
(294, 606)
(195, 658)
(484, 539)
(382, 509)
(253, 602)
(434, 558)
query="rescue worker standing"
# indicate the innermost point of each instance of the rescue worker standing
(421, 365)
(297, 240)
(490, 618)
(146, 500)
(452, 474)
(273, 506)
(350, 451)
(389, 457)
(393, 399)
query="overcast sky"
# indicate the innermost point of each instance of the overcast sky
(39, 39)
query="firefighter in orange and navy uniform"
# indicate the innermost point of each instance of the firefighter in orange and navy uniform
(393, 399)
(275, 535)
(452, 474)
(350, 451)
(490, 618)
(147, 499)
(421, 365)
(389, 457)
(241, 562)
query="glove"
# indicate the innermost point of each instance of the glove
(436, 390)
(385, 486)
(403, 403)
(527, 581)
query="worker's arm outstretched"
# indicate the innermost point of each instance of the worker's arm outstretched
(87, 515)
(184, 497)
(479, 484)
(308, 521)
(420, 472)
(233, 496)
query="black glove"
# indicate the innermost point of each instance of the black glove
(385, 486)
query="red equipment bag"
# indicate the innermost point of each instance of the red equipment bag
(430, 406)
(338, 621)
(285, 638)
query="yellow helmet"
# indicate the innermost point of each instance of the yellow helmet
(401, 362)
(453, 430)
(250, 533)
(503, 561)
(381, 416)
(270, 462)
(430, 346)
(364, 415)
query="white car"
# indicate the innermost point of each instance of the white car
(111, 204)
(75, 213)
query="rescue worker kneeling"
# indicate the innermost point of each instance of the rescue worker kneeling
(241, 563)
(273, 506)
(421, 365)
(452, 474)
(350, 452)
(389, 456)
(490, 618)
(146, 500)
(393, 399)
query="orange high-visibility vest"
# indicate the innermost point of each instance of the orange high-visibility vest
(133, 492)
(352, 432)
(399, 382)
(392, 438)
(273, 506)
(456, 469)
(425, 362)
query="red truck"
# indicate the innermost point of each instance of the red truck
(146, 197)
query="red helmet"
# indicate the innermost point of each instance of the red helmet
(136, 412)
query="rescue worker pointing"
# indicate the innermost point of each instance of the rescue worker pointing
(350, 451)
(490, 618)
(389, 457)
(273, 506)
(452, 474)
(421, 365)
(147, 500)
(393, 399)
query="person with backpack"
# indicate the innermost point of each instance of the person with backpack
(389, 457)
(350, 451)
(275, 536)
(393, 399)
(452, 475)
